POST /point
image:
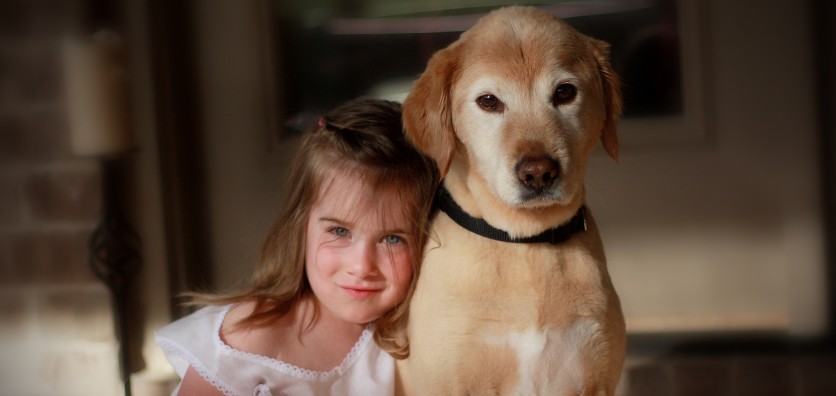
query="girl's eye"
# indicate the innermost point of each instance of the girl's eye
(339, 231)
(392, 239)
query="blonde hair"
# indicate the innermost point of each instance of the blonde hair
(361, 138)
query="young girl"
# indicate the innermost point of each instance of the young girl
(335, 274)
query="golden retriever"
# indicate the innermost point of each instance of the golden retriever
(511, 112)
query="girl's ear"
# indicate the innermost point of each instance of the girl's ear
(612, 96)
(427, 115)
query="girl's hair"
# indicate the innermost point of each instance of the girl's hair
(362, 138)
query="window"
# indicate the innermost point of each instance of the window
(332, 51)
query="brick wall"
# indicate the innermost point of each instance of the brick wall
(56, 330)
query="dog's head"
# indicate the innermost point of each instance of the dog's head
(522, 99)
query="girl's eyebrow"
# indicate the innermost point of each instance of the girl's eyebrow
(349, 224)
(335, 220)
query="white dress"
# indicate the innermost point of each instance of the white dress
(195, 341)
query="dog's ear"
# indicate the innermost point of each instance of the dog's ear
(427, 115)
(612, 96)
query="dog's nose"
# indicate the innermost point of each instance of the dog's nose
(538, 173)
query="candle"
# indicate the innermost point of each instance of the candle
(96, 87)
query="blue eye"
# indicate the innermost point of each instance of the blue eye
(392, 239)
(340, 231)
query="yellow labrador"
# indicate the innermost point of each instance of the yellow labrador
(514, 297)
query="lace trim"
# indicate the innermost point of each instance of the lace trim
(170, 347)
(287, 368)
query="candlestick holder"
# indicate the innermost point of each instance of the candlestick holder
(115, 259)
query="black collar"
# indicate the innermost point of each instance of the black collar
(445, 202)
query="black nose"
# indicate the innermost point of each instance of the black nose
(538, 173)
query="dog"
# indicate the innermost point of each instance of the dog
(513, 296)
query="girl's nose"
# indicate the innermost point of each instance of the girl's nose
(363, 262)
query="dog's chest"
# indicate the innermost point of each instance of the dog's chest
(547, 360)
(508, 283)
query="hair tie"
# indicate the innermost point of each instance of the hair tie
(324, 124)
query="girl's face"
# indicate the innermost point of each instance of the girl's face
(357, 252)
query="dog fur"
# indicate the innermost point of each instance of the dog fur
(496, 318)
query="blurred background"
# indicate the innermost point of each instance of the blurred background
(180, 118)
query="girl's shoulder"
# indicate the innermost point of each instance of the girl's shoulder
(200, 324)
(258, 340)
(192, 339)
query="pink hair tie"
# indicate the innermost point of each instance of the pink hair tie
(321, 122)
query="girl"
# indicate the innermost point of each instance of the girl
(336, 270)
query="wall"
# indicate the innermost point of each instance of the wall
(724, 232)
(56, 323)
(55, 317)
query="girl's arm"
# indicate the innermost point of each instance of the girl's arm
(194, 384)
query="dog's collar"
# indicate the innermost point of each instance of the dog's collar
(445, 202)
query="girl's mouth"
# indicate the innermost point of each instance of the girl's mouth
(360, 293)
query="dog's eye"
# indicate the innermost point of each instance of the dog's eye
(564, 94)
(490, 103)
